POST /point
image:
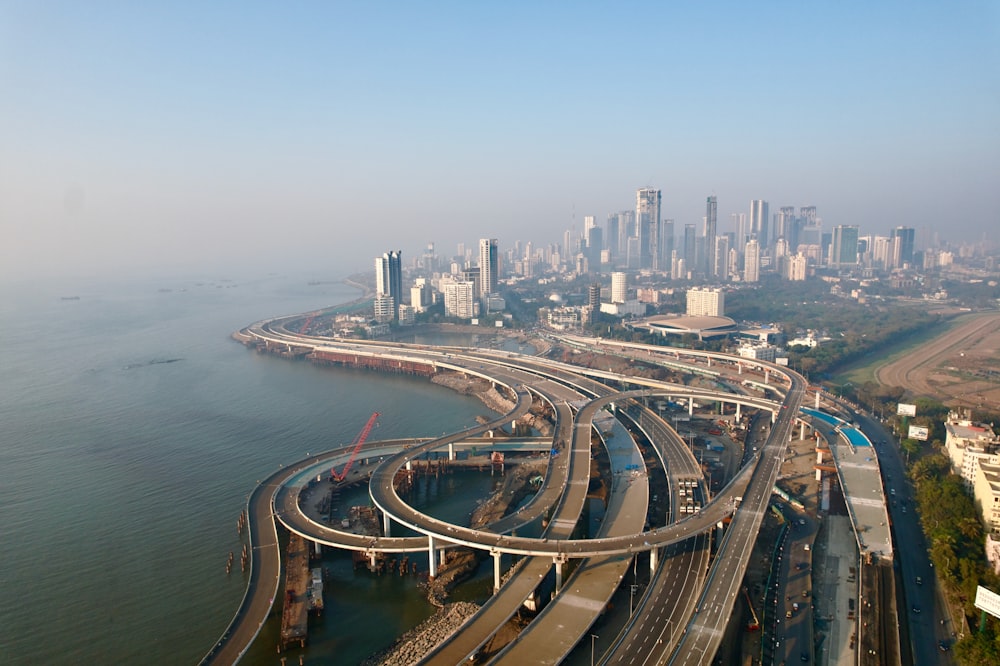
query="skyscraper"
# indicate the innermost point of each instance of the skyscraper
(619, 287)
(740, 229)
(666, 245)
(758, 222)
(711, 231)
(845, 245)
(389, 278)
(611, 234)
(647, 216)
(751, 258)
(902, 246)
(690, 248)
(720, 257)
(489, 266)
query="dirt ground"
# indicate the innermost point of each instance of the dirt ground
(960, 368)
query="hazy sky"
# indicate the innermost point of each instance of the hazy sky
(242, 135)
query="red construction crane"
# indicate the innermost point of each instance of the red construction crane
(358, 441)
(308, 321)
(754, 624)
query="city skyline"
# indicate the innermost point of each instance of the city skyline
(245, 136)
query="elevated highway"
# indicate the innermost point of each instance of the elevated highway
(560, 384)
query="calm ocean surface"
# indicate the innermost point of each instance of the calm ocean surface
(132, 430)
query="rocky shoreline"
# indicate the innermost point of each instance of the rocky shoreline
(415, 644)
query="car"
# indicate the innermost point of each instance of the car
(920, 581)
(943, 646)
(916, 610)
(804, 656)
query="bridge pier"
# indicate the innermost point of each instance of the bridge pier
(409, 465)
(431, 558)
(558, 561)
(451, 450)
(318, 547)
(653, 560)
(496, 570)
(767, 375)
(386, 525)
(372, 560)
(738, 412)
(690, 405)
(802, 429)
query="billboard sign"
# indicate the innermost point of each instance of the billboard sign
(902, 409)
(988, 601)
(919, 432)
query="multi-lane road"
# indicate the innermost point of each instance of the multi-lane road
(697, 631)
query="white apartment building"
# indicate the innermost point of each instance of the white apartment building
(987, 496)
(619, 287)
(968, 446)
(459, 299)
(706, 302)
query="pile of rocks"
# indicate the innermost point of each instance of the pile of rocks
(415, 644)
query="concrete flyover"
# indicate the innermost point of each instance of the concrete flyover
(559, 384)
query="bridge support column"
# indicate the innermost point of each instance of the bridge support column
(767, 375)
(817, 399)
(558, 561)
(496, 570)
(431, 558)
(653, 560)
(409, 465)
(802, 430)
(738, 412)
(451, 450)
(386, 525)
(690, 405)
(318, 547)
(774, 417)
(372, 560)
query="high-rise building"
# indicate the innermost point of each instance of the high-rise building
(459, 299)
(690, 249)
(902, 246)
(593, 301)
(489, 266)
(739, 221)
(593, 240)
(720, 257)
(751, 262)
(758, 221)
(844, 251)
(704, 302)
(389, 279)
(797, 266)
(647, 216)
(611, 233)
(711, 231)
(667, 245)
(619, 287)
(626, 230)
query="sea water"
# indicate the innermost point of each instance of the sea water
(132, 430)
